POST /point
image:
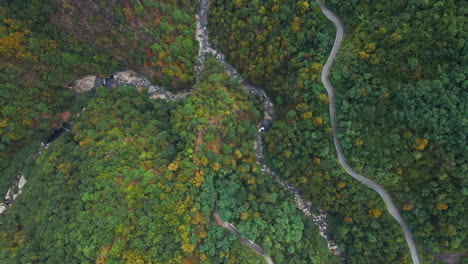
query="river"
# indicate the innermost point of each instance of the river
(269, 116)
(123, 78)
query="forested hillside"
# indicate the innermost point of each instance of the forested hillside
(137, 180)
(45, 45)
(412, 141)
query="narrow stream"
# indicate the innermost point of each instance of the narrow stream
(303, 205)
(154, 91)
(18, 183)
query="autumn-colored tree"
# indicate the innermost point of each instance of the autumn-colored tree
(375, 212)
(306, 115)
(420, 143)
(318, 121)
(358, 142)
(441, 206)
(323, 98)
(407, 207)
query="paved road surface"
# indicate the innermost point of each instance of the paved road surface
(369, 183)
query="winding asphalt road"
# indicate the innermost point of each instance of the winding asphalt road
(332, 107)
(205, 47)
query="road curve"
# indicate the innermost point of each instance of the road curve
(332, 108)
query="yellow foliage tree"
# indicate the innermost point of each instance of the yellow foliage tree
(197, 218)
(341, 184)
(13, 45)
(348, 219)
(198, 179)
(358, 142)
(323, 98)
(306, 115)
(407, 207)
(442, 206)
(375, 212)
(275, 8)
(216, 166)
(4, 123)
(317, 161)
(237, 153)
(382, 30)
(86, 143)
(261, 10)
(173, 166)
(369, 47)
(395, 38)
(420, 143)
(244, 215)
(204, 161)
(302, 106)
(251, 180)
(296, 25)
(363, 55)
(316, 67)
(318, 121)
(134, 257)
(304, 6)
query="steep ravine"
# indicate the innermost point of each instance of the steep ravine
(303, 205)
(154, 91)
(20, 180)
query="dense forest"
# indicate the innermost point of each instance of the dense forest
(45, 45)
(136, 181)
(402, 123)
(402, 104)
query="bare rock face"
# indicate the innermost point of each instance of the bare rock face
(154, 91)
(84, 84)
(131, 78)
(13, 192)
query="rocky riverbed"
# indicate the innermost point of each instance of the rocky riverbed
(158, 92)
(13, 192)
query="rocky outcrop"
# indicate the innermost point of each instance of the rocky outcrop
(154, 91)
(13, 192)
(85, 84)
(127, 78)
